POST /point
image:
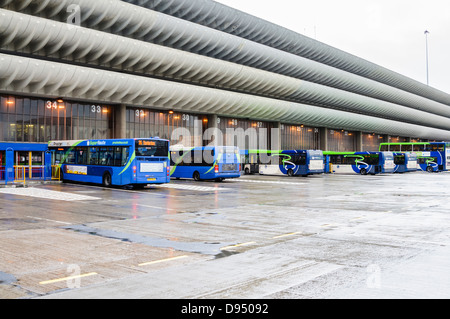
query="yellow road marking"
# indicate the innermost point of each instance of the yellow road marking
(162, 260)
(285, 235)
(67, 278)
(238, 245)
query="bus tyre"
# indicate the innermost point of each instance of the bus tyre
(106, 179)
(363, 171)
(290, 172)
(196, 176)
(430, 169)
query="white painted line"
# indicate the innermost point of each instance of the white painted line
(49, 220)
(162, 208)
(266, 182)
(46, 194)
(191, 187)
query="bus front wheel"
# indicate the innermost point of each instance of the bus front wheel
(196, 176)
(363, 171)
(290, 172)
(106, 179)
(430, 169)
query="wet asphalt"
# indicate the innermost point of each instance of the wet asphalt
(326, 236)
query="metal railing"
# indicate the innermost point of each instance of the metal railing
(56, 173)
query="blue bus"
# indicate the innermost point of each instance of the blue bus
(205, 163)
(405, 162)
(116, 162)
(359, 162)
(292, 163)
(431, 156)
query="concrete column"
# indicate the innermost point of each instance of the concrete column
(275, 137)
(212, 135)
(120, 119)
(358, 142)
(324, 139)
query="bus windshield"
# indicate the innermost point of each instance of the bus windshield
(152, 148)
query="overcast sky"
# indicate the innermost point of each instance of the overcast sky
(386, 32)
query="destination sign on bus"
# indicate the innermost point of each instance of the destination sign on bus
(146, 143)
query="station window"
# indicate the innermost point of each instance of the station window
(42, 120)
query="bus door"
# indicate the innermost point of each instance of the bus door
(9, 165)
(254, 163)
(400, 162)
(2, 165)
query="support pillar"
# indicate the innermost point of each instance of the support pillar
(324, 139)
(359, 142)
(276, 142)
(120, 119)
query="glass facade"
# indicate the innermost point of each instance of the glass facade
(299, 137)
(371, 142)
(341, 141)
(178, 128)
(245, 134)
(25, 119)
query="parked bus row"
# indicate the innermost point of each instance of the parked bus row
(139, 162)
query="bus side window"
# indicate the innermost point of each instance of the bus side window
(81, 156)
(117, 158)
(384, 148)
(105, 157)
(125, 154)
(301, 159)
(70, 157)
(93, 156)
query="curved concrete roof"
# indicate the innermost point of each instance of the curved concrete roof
(223, 18)
(27, 33)
(37, 77)
(149, 26)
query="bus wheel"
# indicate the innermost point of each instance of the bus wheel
(247, 171)
(430, 169)
(363, 171)
(290, 172)
(106, 179)
(196, 176)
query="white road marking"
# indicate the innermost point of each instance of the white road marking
(266, 182)
(49, 220)
(46, 194)
(148, 206)
(191, 187)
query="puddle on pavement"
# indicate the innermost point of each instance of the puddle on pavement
(193, 247)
